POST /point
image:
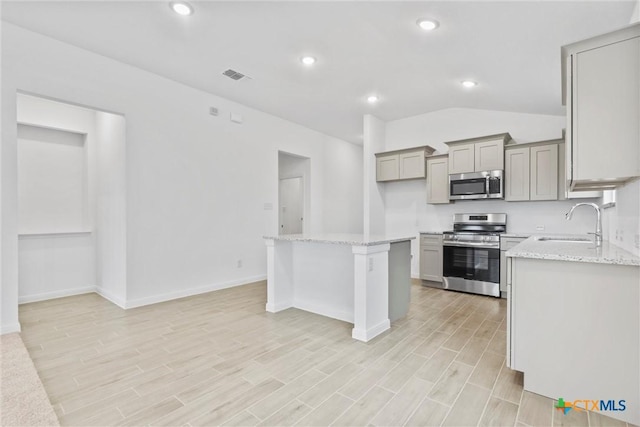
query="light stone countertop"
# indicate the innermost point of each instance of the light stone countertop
(517, 235)
(432, 233)
(340, 239)
(608, 253)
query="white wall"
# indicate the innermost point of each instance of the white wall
(110, 207)
(621, 223)
(343, 183)
(196, 184)
(56, 265)
(52, 180)
(407, 211)
(56, 248)
(374, 209)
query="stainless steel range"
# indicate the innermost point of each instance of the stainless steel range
(471, 261)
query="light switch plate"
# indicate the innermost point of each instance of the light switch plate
(236, 118)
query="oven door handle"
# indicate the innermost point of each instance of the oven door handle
(473, 245)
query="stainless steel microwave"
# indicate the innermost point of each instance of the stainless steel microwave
(476, 185)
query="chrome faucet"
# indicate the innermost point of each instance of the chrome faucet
(598, 233)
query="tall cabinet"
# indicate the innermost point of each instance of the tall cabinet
(601, 90)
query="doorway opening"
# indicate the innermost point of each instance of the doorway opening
(293, 193)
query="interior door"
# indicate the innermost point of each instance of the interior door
(291, 207)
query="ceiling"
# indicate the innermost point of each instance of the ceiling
(511, 48)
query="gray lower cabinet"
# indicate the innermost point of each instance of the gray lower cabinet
(506, 243)
(431, 257)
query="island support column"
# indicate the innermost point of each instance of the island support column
(371, 291)
(279, 276)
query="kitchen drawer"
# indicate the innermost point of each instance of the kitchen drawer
(430, 240)
(507, 243)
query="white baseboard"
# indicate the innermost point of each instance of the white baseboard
(125, 304)
(9, 329)
(369, 334)
(193, 291)
(111, 297)
(273, 308)
(55, 294)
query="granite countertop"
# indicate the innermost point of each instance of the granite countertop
(517, 235)
(608, 253)
(340, 239)
(433, 233)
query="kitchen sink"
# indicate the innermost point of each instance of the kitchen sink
(565, 239)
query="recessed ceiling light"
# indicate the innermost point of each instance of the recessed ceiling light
(428, 24)
(181, 8)
(469, 83)
(372, 99)
(308, 60)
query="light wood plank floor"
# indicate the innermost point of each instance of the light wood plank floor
(220, 359)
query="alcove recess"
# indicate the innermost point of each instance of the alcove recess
(71, 200)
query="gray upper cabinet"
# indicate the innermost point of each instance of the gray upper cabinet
(462, 158)
(544, 172)
(489, 155)
(563, 189)
(531, 171)
(477, 154)
(517, 171)
(402, 164)
(602, 94)
(412, 164)
(388, 167)
(438, 179)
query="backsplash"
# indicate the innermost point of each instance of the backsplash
(621, 223)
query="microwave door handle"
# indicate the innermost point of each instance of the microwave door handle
(486, 186)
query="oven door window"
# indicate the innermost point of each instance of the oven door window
(468, 187)
(472, 263)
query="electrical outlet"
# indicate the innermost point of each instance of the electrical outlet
(213, 111)
(370, 264)
(539, 227)
(239, 264)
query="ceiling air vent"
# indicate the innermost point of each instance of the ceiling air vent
(233, 74)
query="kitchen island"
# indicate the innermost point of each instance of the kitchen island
(364, 280)
(573, 322)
